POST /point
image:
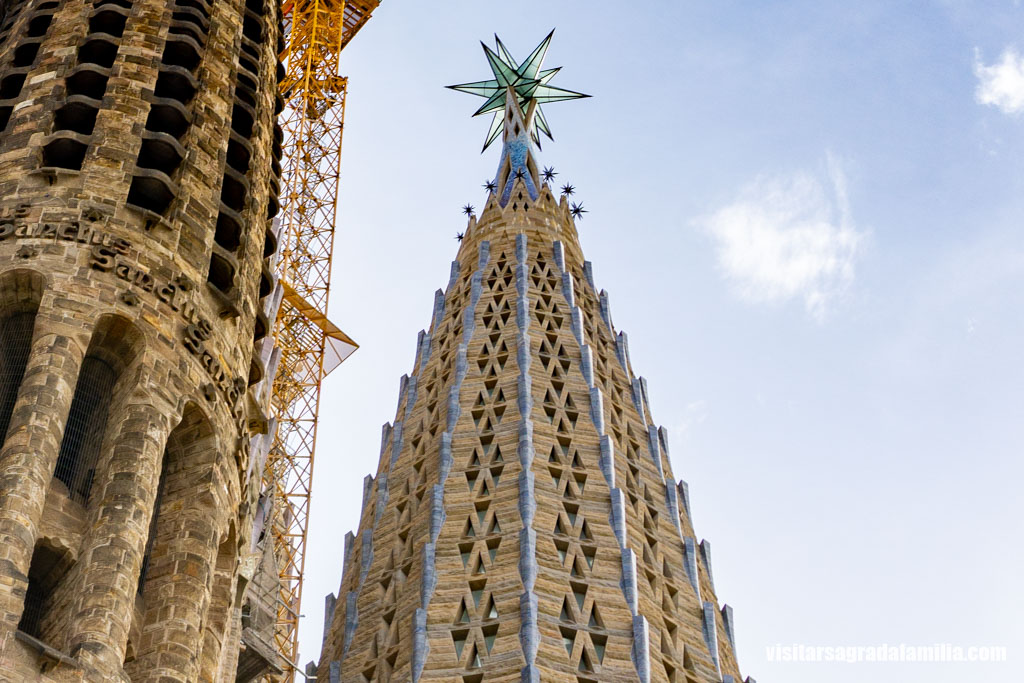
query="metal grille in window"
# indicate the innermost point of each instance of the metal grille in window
(15, 344)
(153, 522)
(83, 435)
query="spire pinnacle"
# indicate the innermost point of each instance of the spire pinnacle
(523, 84)
(515, 96)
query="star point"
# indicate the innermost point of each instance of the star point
(527, 81)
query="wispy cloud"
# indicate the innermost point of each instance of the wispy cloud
(694, 413)
(789, 236)
(1001, 84)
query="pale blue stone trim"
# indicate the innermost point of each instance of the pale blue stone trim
(690, 558)
(413, 389)
(684, 494)
(588, 273)
(672, 501)
(382, 499)
(367, 555)
(576, 319)
(445, 453)
(622, 351)
(607, 461)
(420, 646)
(628, 583)
(641, 648)
(528, 560)
(350, 541)
(711, 633)
(403, 385)
(429, 582)
(396, 441)
(529, 632)
(385, 433)
(453, 275)
(654, 445)
(483, 255)
(606, 311)
(568, 288)
(367, 490)
(521, 248)
(637, 399)
(559, 253)
(705, 553)
(351, 620)
(439, 306)
(727, 623)
(330, 602)
(335, 672)
(587, 365)
(597, 409)
(529, 674)
(437, 514)
(643, 391)
(618, 515)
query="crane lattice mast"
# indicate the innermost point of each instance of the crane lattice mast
(311, 346)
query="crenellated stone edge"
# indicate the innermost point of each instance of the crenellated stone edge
(420, 644)
(641, 639)
(657, 445)
(393, 433)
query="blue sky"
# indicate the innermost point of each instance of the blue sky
(808, 216)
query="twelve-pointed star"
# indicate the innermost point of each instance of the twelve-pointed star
(549, 174)
(527, 80)
(468, 209)
(577, 211)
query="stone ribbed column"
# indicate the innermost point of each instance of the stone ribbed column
(29, 454)
(112, 550)
(177, 589)
(529, 631)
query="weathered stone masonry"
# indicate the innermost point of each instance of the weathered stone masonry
(139, 163)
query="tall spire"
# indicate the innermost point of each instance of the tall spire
(515, 96)
(524, 523)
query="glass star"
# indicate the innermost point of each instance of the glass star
(528, 81)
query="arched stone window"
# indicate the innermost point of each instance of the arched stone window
(20, 292)
(114, 344)
(181, 559)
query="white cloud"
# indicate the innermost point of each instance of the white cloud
(1001, 84)
(789, 236)
(695, 413)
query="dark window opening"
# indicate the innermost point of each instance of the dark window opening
(151, 537)
(44, 573)
(15, 345)
(83, 435)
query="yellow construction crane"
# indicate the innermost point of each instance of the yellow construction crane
(311, 346)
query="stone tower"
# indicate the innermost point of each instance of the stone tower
(138, 184)
(524, 523)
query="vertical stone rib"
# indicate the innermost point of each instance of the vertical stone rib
(529, 630)
(420, 644)
(29, 455)
(113, 549)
